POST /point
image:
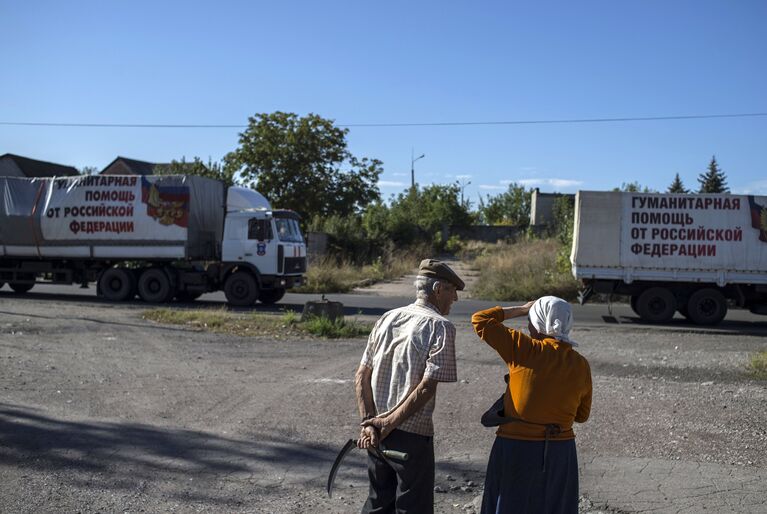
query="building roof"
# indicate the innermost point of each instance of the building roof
(136, 166)
(34, 168)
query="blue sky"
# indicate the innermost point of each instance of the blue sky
(174, 62)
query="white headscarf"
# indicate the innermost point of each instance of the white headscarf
(553, 317)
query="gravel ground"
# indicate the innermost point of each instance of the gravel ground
(104, 412)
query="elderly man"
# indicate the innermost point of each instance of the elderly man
(533, 466)
(409, 351)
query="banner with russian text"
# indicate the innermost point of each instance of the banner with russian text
(695, 232)
(111, 207)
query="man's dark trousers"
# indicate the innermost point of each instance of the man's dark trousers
(402, 487)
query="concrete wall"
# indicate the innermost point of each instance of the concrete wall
(487, 233)
(542, 207)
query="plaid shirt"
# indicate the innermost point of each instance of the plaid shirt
(405, 346)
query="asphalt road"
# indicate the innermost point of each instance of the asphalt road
(738, 321)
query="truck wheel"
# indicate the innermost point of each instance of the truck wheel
(241, 289)
(117, 284)
(271, 296)
(656, 305)
(154, 286)
(633, 302)
(20, 287)
(707, 307)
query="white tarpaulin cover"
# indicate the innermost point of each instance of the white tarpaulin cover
(115, 210)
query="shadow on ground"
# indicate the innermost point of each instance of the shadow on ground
(186, 465)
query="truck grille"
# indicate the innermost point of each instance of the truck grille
(295, 265)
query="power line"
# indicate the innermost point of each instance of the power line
(385, 125)
(562, 121)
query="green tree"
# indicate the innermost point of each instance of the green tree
(677, 186)
(562, 228)
(714, 180)
(633, 187)
(417, 215)
(509, 208)
(89, 170)
(303, 163)
(214, 170)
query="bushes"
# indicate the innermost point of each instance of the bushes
(414, 218)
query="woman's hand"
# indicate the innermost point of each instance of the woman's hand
(518, 311)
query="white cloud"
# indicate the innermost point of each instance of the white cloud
(463, 177)
(754, 188)
(554, 182)
(400, 174)
(390, 183)
(491, 187)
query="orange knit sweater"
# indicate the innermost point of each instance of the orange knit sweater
(549, 382)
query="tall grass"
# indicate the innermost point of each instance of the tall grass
(522, 271)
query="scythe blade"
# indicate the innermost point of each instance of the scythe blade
(334, 470)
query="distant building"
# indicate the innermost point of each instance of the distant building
(125, 166)
(542, 207)
(17, 166)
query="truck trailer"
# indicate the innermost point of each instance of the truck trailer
(158, 237)
(691, 253)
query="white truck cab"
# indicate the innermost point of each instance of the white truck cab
(268, 242)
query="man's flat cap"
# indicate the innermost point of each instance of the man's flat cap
(437, 269)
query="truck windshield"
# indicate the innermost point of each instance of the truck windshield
(288, 230)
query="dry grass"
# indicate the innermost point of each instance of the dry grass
(521, 271)
(262, 325)
(331, 276)
(757, 368)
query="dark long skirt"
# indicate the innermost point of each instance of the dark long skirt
(517, 483)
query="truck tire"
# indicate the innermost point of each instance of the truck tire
(656, 305)
(241, 289)
(707, 307)
(271, 296)
(117, 285)
(21, 287)
(633, 302)
(154, 286)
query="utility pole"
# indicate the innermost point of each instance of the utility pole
(412, 167)
(462, 183)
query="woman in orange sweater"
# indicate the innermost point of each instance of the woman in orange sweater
(533, 466)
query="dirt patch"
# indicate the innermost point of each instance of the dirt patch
(103, 411)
